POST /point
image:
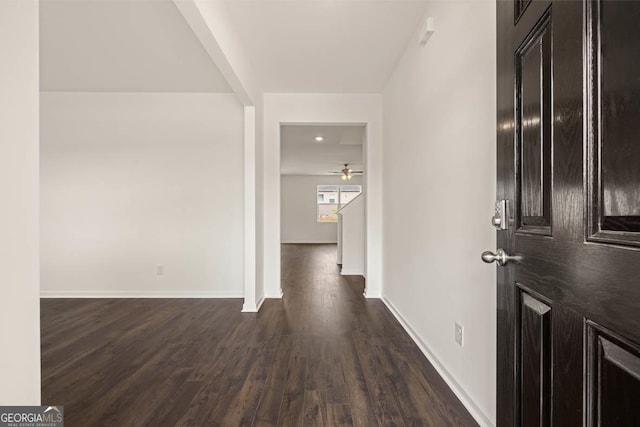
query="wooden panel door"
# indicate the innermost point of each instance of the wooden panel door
(568, 131)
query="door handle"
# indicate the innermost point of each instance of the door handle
(500, 256)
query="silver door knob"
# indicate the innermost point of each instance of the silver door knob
(500, 256)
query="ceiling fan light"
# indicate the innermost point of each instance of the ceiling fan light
(349, 176)
(344, 177)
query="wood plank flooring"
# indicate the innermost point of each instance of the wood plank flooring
(322, 356)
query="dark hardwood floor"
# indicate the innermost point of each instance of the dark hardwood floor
(322, 356)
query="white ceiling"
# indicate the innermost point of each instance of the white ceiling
(123, 46)
(300, 154)
(325, 46)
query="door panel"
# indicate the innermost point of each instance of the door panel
(568, 132)
(614, 107)
(535, 361)
(533, 80)
(520, 6)
(614, 365)
(620, 95)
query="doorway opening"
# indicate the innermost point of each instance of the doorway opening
(322, 194)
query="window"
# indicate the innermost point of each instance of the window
(332, 197)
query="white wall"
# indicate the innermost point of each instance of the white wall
(134, 181)
(352, 247)
(19, 300)
(211, 24)
(298, 209)
(439, 188)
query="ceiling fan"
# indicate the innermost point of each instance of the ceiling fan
(347, 173)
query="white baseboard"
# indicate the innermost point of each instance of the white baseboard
(345, 272)
(309, 242)
(275, 296)
(478, 414)
(370, 295)
(249, 308)
(139, 294)
(254, 308)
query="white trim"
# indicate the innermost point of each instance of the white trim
(140, 294)
(367, 294)
(254, 308)
(275, 296)
(249, 309)
(477, 413)
(310, 242)
(344, 272)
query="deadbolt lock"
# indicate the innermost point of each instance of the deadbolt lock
(500, 220)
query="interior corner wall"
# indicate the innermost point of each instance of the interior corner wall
(19, 286)
(439, 110)
(299, 209)
(284, 108)
(142, 194)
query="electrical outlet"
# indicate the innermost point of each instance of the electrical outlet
(459, 334)
(160, 270)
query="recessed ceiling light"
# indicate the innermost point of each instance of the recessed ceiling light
(319, 139)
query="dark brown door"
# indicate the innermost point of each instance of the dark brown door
(568, 129)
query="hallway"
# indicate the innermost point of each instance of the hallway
(322, 356)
